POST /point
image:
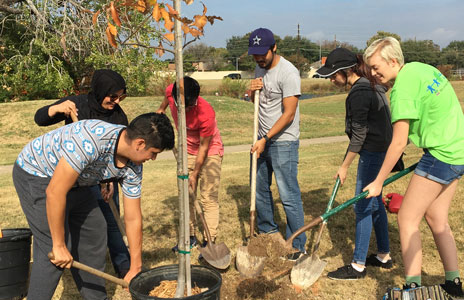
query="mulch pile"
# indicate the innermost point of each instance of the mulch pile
(167, 289)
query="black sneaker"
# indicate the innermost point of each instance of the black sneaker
(453, 287)
(372, 260)
(193, 243)
(295, 255)
(346, 273)
(412, 285)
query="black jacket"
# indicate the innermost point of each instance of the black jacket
(104, 83)
(368, 122)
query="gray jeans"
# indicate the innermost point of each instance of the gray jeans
(85, 233)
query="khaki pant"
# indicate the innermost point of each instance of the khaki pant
(208, 186)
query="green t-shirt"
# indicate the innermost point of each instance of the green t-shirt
(422, 95)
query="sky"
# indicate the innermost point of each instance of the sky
(351, 21)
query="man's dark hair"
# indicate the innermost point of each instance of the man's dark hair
(155, 129)
(191, 91)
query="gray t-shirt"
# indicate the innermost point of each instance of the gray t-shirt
(280, 82)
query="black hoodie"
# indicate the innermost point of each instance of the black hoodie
(104, 83)
(368, 122)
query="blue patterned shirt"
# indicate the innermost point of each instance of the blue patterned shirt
(89, 147)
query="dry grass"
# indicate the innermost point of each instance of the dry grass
(318, 163)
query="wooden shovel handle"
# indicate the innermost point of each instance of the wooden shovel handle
(78, 265)
(254, 166)
(119, 222)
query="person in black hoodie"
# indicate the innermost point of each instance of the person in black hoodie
(367, 124)
(108, 89)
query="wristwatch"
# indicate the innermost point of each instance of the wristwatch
(266, 138)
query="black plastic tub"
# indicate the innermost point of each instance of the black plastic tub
(15, 256)
(141, 285)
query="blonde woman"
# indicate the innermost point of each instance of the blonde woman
(425, 109)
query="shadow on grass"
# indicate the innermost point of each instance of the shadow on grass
(242, 194)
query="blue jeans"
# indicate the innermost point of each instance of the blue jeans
(282, 159)
(369, 211)
(119, 254)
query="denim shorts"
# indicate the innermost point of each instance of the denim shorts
(438, 171)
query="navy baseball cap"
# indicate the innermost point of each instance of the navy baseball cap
(260, 41)
(338, 59)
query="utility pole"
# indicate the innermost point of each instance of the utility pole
(320, 52)
(236, 63)
(298, 50)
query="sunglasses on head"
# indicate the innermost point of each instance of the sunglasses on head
(114, 98)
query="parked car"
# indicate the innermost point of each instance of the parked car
(233, 76)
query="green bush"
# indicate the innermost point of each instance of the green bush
(136, 67)
(32, 77)
(235, 88)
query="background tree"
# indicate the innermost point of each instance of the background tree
(237, 48)
(381, 35)
(422, 51)
(453, 54)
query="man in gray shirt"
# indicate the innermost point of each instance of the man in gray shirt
(279, 132)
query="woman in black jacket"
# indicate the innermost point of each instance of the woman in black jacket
(369, 130)
(108, 89)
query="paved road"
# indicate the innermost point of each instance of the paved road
(231, 149)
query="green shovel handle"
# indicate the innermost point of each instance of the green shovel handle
(344, 205)
(364, 194)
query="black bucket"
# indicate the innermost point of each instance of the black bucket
(15, 256)
(203, 277)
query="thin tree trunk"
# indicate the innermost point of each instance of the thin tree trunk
(184, 278)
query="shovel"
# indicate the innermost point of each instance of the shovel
(217, 255)
(246, 263)
(308, 269)
(287, 244)
(78, 265)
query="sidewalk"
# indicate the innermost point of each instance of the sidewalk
(246, 148)
(230, 149)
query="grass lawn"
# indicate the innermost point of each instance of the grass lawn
(318, 164)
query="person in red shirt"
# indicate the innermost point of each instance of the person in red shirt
(205, 151)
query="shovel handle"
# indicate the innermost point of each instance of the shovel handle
(254, 166)
(202, 216)
(119, 222)
(344, 205)
(80, 266)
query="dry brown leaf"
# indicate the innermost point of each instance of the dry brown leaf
(156, 13)
(95, 17)
(164, 13)
(185, 28)
(188, 2)
(204, 9)
(169, 37)
(114, 14)
(141, 6)
(195, 33)
(160, 50)
(212, 18)
(172, 11)
(112, 29)
(200, 21)
(111, 38)
(168, 24)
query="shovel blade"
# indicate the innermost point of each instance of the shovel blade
(307, 270)
(217, 256)
(248, 265)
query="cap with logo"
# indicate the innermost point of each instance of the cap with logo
(337, 60)
(260, 41)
